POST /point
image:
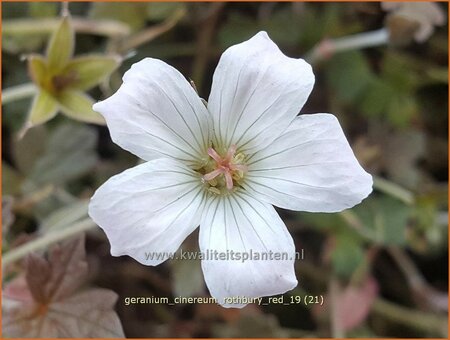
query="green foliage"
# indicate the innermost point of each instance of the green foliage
(69, 153)
(387, 217)
(347, 255)
(237, 28)
(349, 75)
(389, 94)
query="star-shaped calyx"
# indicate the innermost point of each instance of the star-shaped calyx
(62, 79)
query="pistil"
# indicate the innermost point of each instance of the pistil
(229, 167)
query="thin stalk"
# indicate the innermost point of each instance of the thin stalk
(131, 42)
(414, 319)
(355, 223)
(337, 330)
(47, 239)
(328, 47)
(393, 190)
(204, 41)
(108, 28)
(18, 92)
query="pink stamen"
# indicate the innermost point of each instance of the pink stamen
(213, 174)
(214, 155)
(228, 180)
(224, 166)
(230, 153)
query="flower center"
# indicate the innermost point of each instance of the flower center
(61, 81)
(224, 172)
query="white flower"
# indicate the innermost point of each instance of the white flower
(223, 166)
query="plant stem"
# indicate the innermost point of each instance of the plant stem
(424, 292)
(393, 190)
(204, 40)
(355, 223)
(328, 47)
(414, 319)
(336, 328)
(14, 93)
(109, 28)
(47, 239)
(131, 42)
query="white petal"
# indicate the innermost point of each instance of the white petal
(256, 93)
(311, 167)
(156, 112)
(150, 208)
(241, 224)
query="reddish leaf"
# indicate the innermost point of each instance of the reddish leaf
(354, 303)
(17, 290)
(37, 274)
(69, 268)
(43, 304)
(352, 307)
(88, 314)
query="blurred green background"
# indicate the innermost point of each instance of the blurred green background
(388, 255)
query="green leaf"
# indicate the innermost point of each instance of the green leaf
(387, 217)
(392, 94)
(326, 222)
(282, 21)
(43, 108)
(349, 75)
(61, 46)
(236, 29)
(402, 109)
(331, 24)
(394, 65)
(27, 150)
(78, 105)
(347, 255)
(69, 154)
(376, 98)
(89, 71)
